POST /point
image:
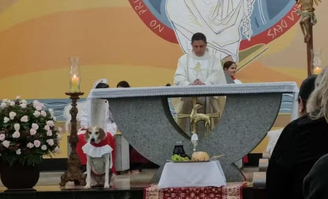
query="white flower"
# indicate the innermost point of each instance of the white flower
(50, 123)
(23, 102)
(16, 134)
(47, 127)
(44, 147)
(43, 113)
(50, 142)
(12, 103)
(22, 105)
(6, 143)
(18, 97)
(18, 152)
(32, 131)
(24, 119)
(57, 150)
(54, 118)
(51, 111)
(60, 129)
(59, 137)
(12, 115)
(5, 120)
(3, 105)
(5, 100)
(37, 143)
(30, 145)
(17, 126)
(36, 113)
(35, 126)
(49, 133)
(2, 137)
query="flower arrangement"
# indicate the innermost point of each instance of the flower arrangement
(27, 132)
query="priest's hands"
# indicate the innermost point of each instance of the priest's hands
(197, 82)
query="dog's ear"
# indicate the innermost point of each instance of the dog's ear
(86, 135)
(102, 134)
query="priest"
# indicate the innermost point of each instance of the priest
(199, 67)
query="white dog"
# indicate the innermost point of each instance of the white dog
(99, 158)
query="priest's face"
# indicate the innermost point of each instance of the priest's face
(199, 47)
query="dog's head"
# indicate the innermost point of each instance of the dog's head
(94, 135)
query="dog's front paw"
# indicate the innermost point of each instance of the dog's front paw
(106, 185)
(88, 186)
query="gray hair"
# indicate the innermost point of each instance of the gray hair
(317, 105)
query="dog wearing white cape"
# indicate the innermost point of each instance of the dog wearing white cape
(99, 158)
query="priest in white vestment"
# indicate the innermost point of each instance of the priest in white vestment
(199, 67)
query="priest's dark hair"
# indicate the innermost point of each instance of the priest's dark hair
(198, 36)
(102, 85)
(123, 84)
(227, 64)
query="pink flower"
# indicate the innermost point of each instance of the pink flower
(49, 133)
(12, 115)
(2, 137)
(35, 126)
(44, 147)
(6, 143)
(16, 134)
(38, 107)
(47, 127)
(18, 151)
(50, 142)
(3, 105)
(43, 113)
(24, 119)
(60, 129)
(18, 97)
(12, 103)
(37, 143)
(30, 145)
(32, 131)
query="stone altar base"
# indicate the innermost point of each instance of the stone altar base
(126, 186)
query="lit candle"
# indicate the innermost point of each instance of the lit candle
(317, 70)
(75, 84)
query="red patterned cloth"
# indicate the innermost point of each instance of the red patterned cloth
(233, 190)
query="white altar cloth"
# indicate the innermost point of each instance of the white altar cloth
(202, 174)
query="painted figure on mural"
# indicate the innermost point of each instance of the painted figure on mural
(308, 19)
(219, 20)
